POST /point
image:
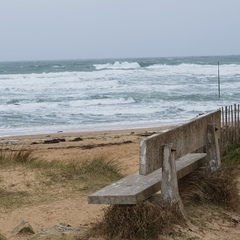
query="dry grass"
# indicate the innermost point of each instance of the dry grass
(12, 198)
(13, 156)
(219, 188)
(142, 221)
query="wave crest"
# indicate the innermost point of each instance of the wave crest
(117, 65)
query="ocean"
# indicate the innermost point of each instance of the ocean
(106, 94)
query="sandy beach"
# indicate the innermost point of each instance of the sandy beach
(121, 146)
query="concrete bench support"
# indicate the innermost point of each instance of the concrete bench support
(212, 148)
(169, 191)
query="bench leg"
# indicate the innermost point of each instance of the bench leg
(213, 152)
(169, 190)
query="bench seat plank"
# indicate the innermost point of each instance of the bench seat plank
(136, 188)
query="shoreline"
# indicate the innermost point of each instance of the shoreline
(93, 133)
(87, 129)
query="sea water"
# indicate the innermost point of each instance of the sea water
(104, 94)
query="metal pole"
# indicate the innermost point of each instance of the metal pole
(218, 81)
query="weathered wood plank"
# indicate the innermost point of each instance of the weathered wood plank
(135, 188)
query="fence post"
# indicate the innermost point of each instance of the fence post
(227, 126)
(169, 191)
(238, 122)
(212, 148)
(223, 129)
(235, 123)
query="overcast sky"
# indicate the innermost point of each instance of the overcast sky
(79, 29)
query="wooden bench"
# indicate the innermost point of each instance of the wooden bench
(194, 143)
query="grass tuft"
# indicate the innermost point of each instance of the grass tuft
(91, 174)
(142, 221)
(231, 156)
(11, 198)
(219, 188)
(97, 167)
(13, 156)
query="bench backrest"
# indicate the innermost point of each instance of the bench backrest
(185, 138)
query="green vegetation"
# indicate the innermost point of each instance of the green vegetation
(43, 180)
(231, 156)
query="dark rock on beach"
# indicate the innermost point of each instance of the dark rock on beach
(55, 140)
(77, 139)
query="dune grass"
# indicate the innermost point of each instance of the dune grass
(220, 187)
(145, 220)
(14, 156)
(43, 180)
(231, 156)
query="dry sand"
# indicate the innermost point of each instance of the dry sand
(121, 146)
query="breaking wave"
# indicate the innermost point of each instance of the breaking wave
(117, 65)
